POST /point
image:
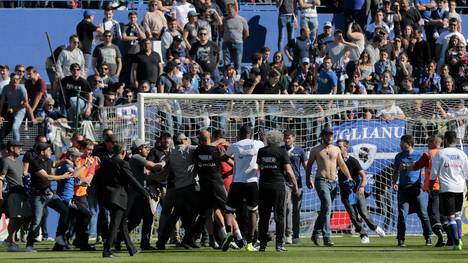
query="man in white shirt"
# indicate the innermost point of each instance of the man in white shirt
(442, 42)
(5, 75)
(450, 166)
(245, 180)
(180, 12)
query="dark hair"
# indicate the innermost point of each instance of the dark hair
(165, 135)
(289, 133)
(38, 138)
(74, 65)
(245, 132)
(31, 68)
(256, 57)
(118, 148)
(346, 142)
(408, 139)
(450, 137)
(104, 132)
(132, 13)
(85, 143)
(218, 133)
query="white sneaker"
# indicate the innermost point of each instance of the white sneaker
(288, 240)
(30, 249)
(60, 241)
(380, 231)
(233, 245)
(14, 248)
(365, 240)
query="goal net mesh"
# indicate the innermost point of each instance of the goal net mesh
(373, 127)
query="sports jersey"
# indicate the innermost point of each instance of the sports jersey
(450, 165)
(245, 160)
(207, 161)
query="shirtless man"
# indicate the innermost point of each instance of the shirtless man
(328, 157)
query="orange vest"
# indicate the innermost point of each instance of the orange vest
(79, 189)
(427, 171)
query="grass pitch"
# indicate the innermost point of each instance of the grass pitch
(347, 249)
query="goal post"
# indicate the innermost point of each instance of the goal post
(373, 124)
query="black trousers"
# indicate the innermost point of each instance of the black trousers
(356, 210)
(138, 209)
(187, 209)
(118, 222)
(271, 197)
(433, 209)
(82, 217)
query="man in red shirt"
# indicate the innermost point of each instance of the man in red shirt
(433, 143)
(36, 88)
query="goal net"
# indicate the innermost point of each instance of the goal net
(373, 124)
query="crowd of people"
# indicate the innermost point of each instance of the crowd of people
(215, 188)
(223, 193)
(197, 47)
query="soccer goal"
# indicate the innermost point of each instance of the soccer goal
(373, 124)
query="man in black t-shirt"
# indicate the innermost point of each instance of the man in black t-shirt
(85, 31)
(354, 199)
(274, 164)
(206, 53)
(147, 65)
(41, 195)
(74, 85)
(207, 159)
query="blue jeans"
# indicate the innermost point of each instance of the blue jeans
(88, 61)
(93, 207)
(13, 125)
(326, 190)
(405, 197)
(285, 20)
(312, 24)
(232, 53)
(38, 203)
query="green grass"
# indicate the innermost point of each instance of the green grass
(347, 249)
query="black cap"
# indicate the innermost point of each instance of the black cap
(14, 143)
(326, 130)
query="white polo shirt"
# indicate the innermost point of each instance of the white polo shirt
(450, 165)
(245, 160)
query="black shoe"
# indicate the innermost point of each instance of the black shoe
(148, 248)
(401, 243)
(240, 243)
(133, 251)
(316, 240)
(189, 245)
(88, 248)
(428, 241)
(118, 247)
(160, 246)
(281, 249)
(328, 242)
(262, 248)
(108, 254)
(440, 242)
(58, 247)
(227, 242)
(449, 242)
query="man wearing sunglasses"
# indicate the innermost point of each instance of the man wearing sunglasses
(108, 53)
(72, 54)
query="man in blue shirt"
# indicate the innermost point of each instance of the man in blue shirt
(298, 159)
(408, 185)
(328, 81)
